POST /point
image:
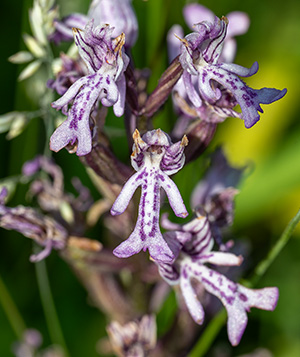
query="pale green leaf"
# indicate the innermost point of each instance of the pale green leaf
(34, 46)
(29, 70)
(21, 57)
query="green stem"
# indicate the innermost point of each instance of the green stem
(52, 320)
(209, 335)
(263, 266)
(214, 327)
(46, 101)
(11, 311)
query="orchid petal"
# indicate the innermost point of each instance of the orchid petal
(77, 124)
(213, 49)
(190, 90)
(173, 43)
(175, 199)
(119, 106)
(193, 304)
(221, 258)
(248, 98)
(240, 70)
(70, 93)
(195, 13)
(237, 300)
(122, 201)
(239, 23)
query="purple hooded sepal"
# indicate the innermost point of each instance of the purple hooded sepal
(238, 25)
(200, 59)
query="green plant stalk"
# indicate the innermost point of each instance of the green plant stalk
(48, 117)
(52, 320)
(214, 327)
(209, 335)
(14, 317)
(263, 266)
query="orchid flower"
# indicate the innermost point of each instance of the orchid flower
(119, 14)
(192, 245)
(218, 83)
(215, 193)
(219, 111)
(106, 63)
(43, 229)
(154, 158)
(238, 25)
(135, 338)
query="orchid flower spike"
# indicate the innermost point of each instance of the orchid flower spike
(106, 62)
(154, 158)
(192, 245)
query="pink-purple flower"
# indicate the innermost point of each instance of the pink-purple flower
(210, 82)
(43, 229)
(210, 87)
(192, 245)
(119, 14)
(154, 158)
(106, 62)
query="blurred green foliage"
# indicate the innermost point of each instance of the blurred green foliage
(270, 193)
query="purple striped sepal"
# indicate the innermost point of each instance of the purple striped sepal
(154, 157)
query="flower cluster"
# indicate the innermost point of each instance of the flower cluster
(206, 88)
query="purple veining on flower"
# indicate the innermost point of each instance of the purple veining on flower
(200, 59)
(119, 14)
(238, 25)
(154, 157)
(43, 229)
(189, 269)
(106, 62)
(187, 102)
